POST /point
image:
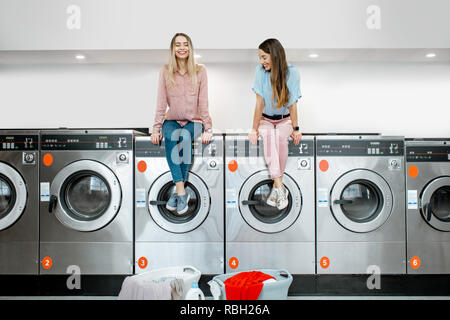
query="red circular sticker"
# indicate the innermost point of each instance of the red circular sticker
(233, 263)
(143, 262)
(142, 166)
(324, 262)
(413, 171)
(47, 159)
(415, 262)
(323, 165)
(47, 263)
(232, 165)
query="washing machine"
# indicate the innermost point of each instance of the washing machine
(19, 201)
(428, 205)
(165, 238)
(259, 235)
(360, 204)
(86, 201)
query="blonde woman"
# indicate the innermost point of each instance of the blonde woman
(277, 88)
(183, 88)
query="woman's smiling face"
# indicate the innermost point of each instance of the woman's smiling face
(264, 59)
(181, 47)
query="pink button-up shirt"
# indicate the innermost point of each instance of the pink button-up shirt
(185, 102)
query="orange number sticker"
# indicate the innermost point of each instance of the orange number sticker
(232, 165)
(143, 262)
(415, 263)
(233, 263)
(323, 165)
(47, 159)
(142, 166)
(413, 171)
(47, 263)
(324, 262)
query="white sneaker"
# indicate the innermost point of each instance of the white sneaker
(283, 199)
(272, 200)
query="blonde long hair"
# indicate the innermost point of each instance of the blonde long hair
(172, 66)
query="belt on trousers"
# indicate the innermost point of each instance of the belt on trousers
(276, 117)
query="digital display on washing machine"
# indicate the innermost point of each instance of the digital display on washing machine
(18, 142)
(366, 148)
(303, 149)
(87, 142)
(428, 153)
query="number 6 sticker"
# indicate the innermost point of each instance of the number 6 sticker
(415, 262)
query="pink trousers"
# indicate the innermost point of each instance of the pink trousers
(275, 135)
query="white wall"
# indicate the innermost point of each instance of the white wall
(410, 99)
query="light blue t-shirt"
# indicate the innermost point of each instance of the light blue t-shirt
(263, 87)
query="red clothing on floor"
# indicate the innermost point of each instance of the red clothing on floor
(245, 285)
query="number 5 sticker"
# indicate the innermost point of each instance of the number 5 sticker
(324, 262)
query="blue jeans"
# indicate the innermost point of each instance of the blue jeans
(178, 141)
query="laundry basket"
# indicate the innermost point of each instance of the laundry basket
(188, 274)
(272, 290)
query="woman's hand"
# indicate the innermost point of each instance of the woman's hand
(297, 136)
(156, 137)
(253, 136)
(206, 137)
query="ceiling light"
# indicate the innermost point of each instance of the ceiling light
(313, 55)
(431, 55)
(80, 57)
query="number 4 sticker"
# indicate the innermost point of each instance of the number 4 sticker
(233, 263)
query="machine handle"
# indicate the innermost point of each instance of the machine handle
(157, 203)
(250, 202)
(340, 201)
(428, 211)
(52, 203)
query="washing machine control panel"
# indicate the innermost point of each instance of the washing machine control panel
(362, 148)
(18, 142)
(145, 148)
(87, 142)
(434, 153)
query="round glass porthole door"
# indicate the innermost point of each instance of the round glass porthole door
(86, 195)
(361, 200)
(198, 206)
(13, 196)
(435, 203)
(261, 216)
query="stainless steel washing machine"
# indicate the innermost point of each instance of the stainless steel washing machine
(428, 205)
(164, 238)
(86, 201)
(360, 204)
(261, 236)
(19, 201)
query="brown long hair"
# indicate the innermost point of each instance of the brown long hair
(172, 66)
(278, 72)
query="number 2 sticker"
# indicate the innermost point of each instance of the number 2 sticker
(47, 263)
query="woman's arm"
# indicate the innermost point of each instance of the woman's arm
(296, 135)
(161, 106)
(259, 107)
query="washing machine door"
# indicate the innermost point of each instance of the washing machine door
(361, 200)
(199, 204)
(13, 195)
(261, 216)
(85, 195)
(435, 203)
